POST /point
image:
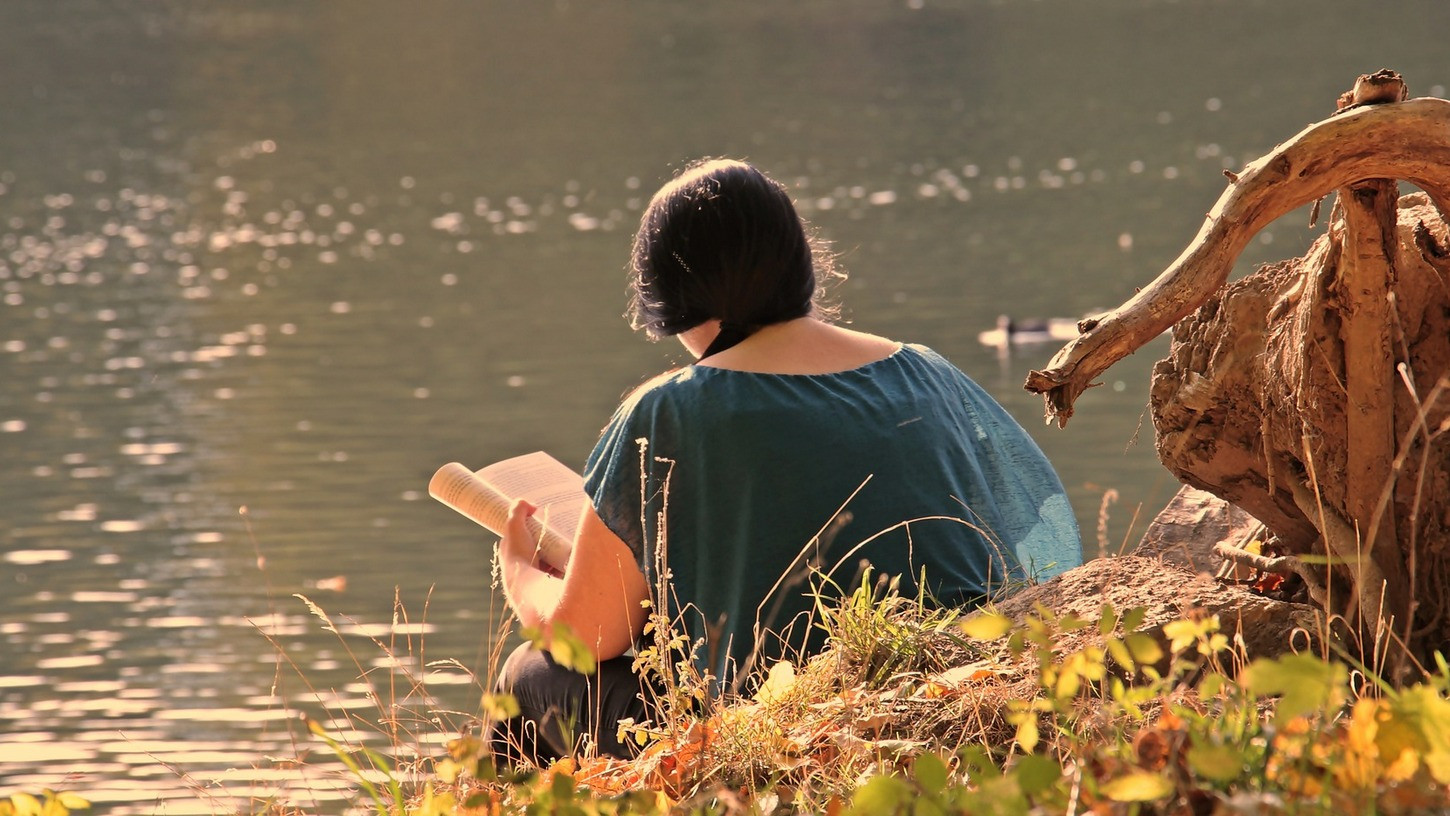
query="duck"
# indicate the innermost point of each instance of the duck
(1014, 332)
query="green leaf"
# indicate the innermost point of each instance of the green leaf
(569, 651)
(1108, 621)
(1036, 773)
(931, 773)
(562, 787)
(1219, 763)
(500, 707)
(1072, 623)
(881, 795)
(1144, 647)
(1133, 618)
(986, 626)
(977, 763)
(1138, 786)
(1303, 683)
(1211, 684)
(1119, 650)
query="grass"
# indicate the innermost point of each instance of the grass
(914, 710)
(921, 711)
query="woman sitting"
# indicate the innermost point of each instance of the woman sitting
(792, 453)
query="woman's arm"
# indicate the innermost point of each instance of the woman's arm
(600, 597)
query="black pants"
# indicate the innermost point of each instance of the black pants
(559, 708)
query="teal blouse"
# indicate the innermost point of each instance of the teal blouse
(749, 487)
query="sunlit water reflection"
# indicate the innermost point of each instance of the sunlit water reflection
(263, 268)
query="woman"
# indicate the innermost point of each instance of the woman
(789, 456)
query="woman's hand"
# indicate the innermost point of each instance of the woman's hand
(599, 596)
(518, 542)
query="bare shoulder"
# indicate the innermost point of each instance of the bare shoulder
(866, 342)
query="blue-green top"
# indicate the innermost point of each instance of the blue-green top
(755, 479)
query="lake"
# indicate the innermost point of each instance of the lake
(265, 265)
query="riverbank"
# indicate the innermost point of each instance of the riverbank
(1017, 709)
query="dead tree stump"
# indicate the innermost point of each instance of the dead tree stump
(1315, 393)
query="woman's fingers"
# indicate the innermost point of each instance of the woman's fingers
(517, 540)
(520, 512)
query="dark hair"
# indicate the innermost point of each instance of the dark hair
(721, 240)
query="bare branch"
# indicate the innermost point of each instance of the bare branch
(1406, 140)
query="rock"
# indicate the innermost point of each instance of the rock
(1257, 626)
(1186, 530)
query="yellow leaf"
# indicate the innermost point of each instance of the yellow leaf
(1143, 648)
(1120, 653)
(1138, 786)
(933, 690)
(1424, 707)
(447, 771)
(1068, 684)
(569, 651)
(500, 707)
(1027, 733)
(1403, 768)
(1181, 634)
(778, 682)
(986, 626)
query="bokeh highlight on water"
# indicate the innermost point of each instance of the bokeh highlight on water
(264, 266)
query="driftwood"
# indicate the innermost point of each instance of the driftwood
(1315, 393)
(1409, 140)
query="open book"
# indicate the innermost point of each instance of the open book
(486, 496)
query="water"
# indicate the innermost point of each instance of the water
(264, 266)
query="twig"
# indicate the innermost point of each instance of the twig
(1278, 565)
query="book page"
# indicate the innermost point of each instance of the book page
(538, 477)
(460, 488)
(486, 496)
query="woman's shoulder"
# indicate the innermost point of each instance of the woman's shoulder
(662, 384)
(925, 356)
(658, 393)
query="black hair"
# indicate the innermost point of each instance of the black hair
(722, 240)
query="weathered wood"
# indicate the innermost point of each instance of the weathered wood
(1366, 284)
(1366, 279)
(1251, 404)
(1315, 393)
(1407, 140)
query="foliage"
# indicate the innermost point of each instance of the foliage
(50, 803)
(1120, 719)
(982, 715)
